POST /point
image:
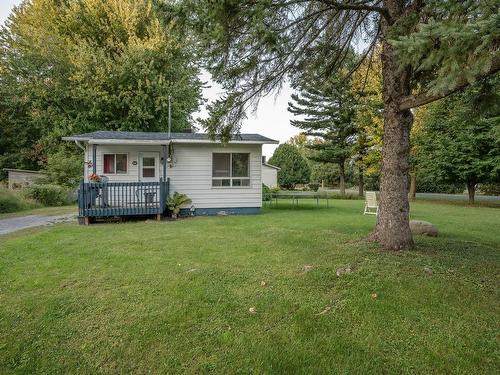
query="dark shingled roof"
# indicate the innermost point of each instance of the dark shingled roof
(160, 136)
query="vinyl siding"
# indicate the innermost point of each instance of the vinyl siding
(269, 176)
(191, 172)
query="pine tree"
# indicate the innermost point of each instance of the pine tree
(326, 110)
(430, 48)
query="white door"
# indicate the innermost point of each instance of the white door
(149, 166)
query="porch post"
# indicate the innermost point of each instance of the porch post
(94, 158)
(165, 162)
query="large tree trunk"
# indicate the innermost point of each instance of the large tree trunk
(361, 183)
(413, 186)
(393, 229)
(342, 177)
(471, 189)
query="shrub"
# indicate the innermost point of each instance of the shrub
(490, 189)
(175, 202)
(336, 195)
(11, 201)
(64, 169)
(48, 195)
(313, 186)
(266, 193)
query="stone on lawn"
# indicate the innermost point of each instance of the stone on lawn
(423, 227)
(344, 270)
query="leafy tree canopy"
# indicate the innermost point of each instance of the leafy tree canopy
(458, 141)
(77, 66)
(294, 167)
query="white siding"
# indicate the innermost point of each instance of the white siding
(269, 176)
(191, 172)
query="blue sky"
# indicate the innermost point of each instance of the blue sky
(271, 118)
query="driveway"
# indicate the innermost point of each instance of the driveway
(17, 223)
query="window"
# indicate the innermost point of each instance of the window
(148, 166)
(115, 163)
(230, 169)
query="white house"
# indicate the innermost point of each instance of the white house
(134, 173)
(269, 174)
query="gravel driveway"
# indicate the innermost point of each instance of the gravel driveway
(17, 223)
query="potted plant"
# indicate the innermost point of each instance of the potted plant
(175, 202)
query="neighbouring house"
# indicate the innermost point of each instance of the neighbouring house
(18, 178)
(133, 173)
(269, 174)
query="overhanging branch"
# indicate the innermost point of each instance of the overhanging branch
(412, 101)
(358, 6)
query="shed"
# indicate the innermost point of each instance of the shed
(22, 177)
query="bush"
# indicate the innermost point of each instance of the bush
(490, 189)
(313, 186)
(336, 195)
(266, 193)
(64, 169)
(11, 201)
(48, 195)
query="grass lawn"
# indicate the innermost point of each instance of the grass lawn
(60, 210)
(175, 296)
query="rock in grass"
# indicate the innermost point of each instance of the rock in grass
(343, 270)
(423, 227)
(252, 310)
(308, 268)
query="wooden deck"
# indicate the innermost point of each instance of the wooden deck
(104, 199)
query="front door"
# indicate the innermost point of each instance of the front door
(149, 166)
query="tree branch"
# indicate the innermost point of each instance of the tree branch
(412, 101)
(359, 6)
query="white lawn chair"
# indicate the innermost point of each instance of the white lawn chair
(371, 205)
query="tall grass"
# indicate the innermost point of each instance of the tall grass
(12, 201)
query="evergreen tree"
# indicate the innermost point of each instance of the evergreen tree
(326, 110)
(294, 167)
(429, 49)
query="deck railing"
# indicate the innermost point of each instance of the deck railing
(100, 199)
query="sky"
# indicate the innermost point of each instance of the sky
(271, 118)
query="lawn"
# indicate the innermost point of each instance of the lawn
(58, 210)
(175, 296)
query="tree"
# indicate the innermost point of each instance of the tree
(457, 142)
(294, 167)
(77, 66)
(367, 82)
(430, 48)
(326, 109)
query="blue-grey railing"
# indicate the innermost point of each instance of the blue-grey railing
(98, 199)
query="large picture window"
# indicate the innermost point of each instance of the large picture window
(230, 169)
(115, 163)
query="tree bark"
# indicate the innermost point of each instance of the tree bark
(413, 186)
(342, 177)
(471, 190)
(361, 183)
(392, 230)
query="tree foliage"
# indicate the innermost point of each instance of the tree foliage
(294, 167)
(326, 109)
(458, 140)
(77, 66)
(252, 46)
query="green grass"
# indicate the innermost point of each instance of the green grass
(60, 210)
(175, 296)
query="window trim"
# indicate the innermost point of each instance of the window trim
(115, 172)
(230, 177)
